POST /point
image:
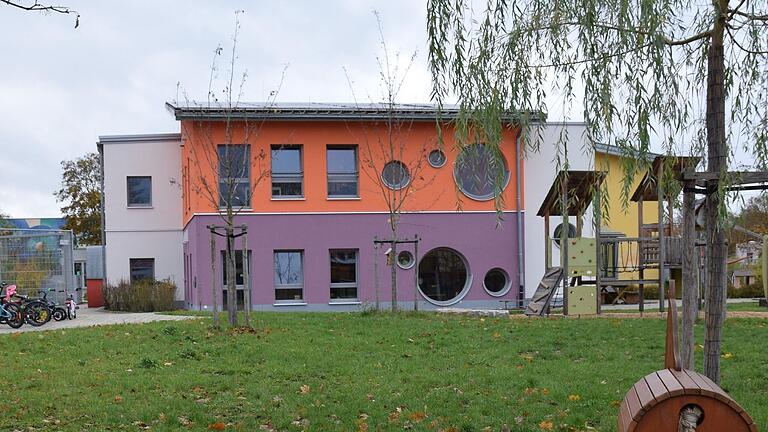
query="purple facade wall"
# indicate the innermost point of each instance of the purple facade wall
(477, 236)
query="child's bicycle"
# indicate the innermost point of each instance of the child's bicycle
(10, 312)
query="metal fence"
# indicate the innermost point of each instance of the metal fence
(37, 260)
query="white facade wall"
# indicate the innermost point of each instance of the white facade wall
(143, 232)
(540, 171)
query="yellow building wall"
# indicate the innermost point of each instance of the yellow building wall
(622, 213)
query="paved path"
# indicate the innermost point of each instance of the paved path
(87, 317)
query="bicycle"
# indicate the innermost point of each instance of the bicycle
(10, 312)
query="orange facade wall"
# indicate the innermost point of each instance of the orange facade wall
(433, 189)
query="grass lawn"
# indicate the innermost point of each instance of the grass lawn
(352, 372)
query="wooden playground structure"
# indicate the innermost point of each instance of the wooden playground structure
(592, 266)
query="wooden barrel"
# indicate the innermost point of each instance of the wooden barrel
(655, 402)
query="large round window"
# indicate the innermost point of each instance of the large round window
(395, 175)
(436, 158)
(480, 172)
(496, 282)
(443, 276)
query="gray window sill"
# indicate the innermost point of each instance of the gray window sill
(290, 304)
(343, 199)
(143, 207)
(344, 302)
(301, 198)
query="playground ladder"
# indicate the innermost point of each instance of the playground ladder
(544, 292)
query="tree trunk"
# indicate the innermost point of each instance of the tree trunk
(231, 288)
(716, 163)
(690, 287)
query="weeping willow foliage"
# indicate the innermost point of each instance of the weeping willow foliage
(636, 69)
(690, 76)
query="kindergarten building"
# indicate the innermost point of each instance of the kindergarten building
(312, 190)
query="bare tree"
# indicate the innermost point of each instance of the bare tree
(38, 7)
(227, 163)
(391, 159)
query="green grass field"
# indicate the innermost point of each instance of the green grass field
(359, 372)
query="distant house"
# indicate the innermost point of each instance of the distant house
(746, 257)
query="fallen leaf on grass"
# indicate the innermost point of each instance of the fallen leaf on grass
(304, 389)
(417, 416)
(118, 398)
(217, 426)
(545, 391)
(574, 397)
(727, 355)
(546, 425)
(184, 421)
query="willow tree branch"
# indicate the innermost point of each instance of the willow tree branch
(736, 42)
(686, 41)
(752, 17)
(37, 7)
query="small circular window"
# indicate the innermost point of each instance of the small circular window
(559, 232)
(395, 175)
(444, 276)
(496, 282)
(436, 158)
(405, 260)
(480, 173)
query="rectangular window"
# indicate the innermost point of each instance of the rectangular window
(289, 276)
(342, 171)
(142, 268)
(343, 274)
(234, 175)
(139, 191)
(287, 171)
(239, 281)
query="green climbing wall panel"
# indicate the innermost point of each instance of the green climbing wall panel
(582, 257)
(581, 300)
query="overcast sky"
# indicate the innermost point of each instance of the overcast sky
(61, 87)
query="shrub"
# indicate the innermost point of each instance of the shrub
(753, 290)
(146, 295)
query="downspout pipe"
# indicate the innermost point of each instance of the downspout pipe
(100, 146)
(520, 242)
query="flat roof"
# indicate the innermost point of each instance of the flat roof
(326, 111)
(117, 139)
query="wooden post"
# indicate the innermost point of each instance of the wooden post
(246, 277)
(598, 258)
(547, 244)
(662, 248)
(213, 277)
(640, 259)
(671, 356)
(690, 270)
(564, 239)
(376, 271)
(416, 273)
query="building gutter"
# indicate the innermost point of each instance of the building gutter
(520, 245)
(100, 146)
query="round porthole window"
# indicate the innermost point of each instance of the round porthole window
(444, 276)
(479, 173)
(436, 158)
(496, 282)
(395, 175)
(405, 260)
(559, 232)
